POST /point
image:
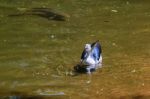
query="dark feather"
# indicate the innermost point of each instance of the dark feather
(83, 55)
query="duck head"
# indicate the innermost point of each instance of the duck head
(87, 47)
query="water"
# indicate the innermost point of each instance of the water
(37, 55)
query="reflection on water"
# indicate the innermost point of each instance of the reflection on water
(37, 55)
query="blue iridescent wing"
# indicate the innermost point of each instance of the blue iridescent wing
(96, 50)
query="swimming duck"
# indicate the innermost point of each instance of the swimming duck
(92, 57)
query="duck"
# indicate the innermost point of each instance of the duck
(91, 57)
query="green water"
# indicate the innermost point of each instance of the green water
(37, 55)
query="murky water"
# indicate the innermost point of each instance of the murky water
(37, 55)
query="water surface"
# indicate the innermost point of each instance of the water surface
(37, 55)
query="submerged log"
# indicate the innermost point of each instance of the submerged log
(47, 13)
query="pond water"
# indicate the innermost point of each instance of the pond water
(37, 55)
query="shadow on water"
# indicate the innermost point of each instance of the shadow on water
(82, 69)
(44, 13)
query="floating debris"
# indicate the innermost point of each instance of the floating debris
(52, 36)
(88, 82)
(115, 11)
(114, 44)
(133, 71)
